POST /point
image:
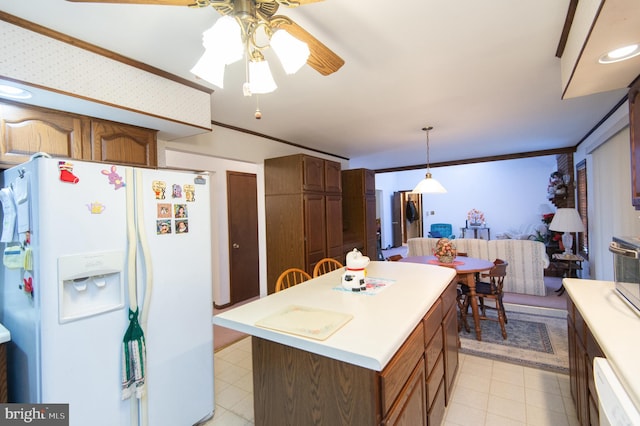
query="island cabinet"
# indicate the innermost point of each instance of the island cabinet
(303, 203)
(296, 387)
(26, 130)
(583, 347)
(359, 211)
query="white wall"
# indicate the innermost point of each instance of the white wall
(509, 193)
(218, 152)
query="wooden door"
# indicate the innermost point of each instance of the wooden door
(242, 210)
(396, 219)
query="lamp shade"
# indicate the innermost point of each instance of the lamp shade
(429, 185)
(260, 78)
(293, 53)
(566, 220)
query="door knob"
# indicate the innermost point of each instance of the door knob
(235, 245)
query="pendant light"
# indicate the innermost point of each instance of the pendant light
(429, 185)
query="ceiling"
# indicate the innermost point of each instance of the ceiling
(483, 74)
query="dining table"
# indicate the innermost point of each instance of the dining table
(466, 270)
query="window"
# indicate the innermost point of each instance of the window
(581, 201)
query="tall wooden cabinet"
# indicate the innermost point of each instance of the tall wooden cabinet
(26, 129)
(303, 202)
(359, 211)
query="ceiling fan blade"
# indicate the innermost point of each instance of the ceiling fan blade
(290, 3)
(322, 59)
(156, 2)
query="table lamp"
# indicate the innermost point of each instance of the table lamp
(567, 220)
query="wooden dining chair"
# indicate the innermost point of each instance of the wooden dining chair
(491, 289)
(327, 264)
(291, 277)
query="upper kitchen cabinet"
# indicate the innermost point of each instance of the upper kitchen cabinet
(123, 144)
(593, 28)
(27, 130)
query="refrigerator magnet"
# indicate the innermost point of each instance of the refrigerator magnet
(182, 226)
(180, 211)
(96, 207)
(190, 193)
(164, 210)
(176, 191)
(159, 187)
(114, 178)
(163, 226)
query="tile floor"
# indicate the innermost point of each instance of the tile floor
(486, 392)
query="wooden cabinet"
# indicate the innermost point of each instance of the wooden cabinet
(450, 338)
(123, 144)
(582, 349)
(295, 387)
(634, 130)
(359, 211)
(25, 130)
(303, 202)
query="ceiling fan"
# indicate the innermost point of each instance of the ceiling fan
(258, 13)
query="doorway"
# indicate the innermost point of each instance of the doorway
(242, 211)
(407, 217)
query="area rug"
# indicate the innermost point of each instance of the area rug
(537, 341)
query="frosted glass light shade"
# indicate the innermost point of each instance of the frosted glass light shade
(210, 68)
(223, 46)
(260, 78)
(225, 39)
(429, 185)
(293, 53)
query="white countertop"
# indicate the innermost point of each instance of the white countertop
(380, 324)
(5, 335)
(615, 325)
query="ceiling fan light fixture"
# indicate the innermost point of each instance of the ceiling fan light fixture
(224, 38)
(429, 185)
(260, 78)
(210, 68)
(620, 54)
(291, 52)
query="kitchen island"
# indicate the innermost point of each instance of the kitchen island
(600, 324)
(390, 358)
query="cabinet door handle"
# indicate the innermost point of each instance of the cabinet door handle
(235, 245)
(616, 249)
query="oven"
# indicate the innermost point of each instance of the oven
(626, 268)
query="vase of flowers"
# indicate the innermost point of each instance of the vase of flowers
(445, 250)
(475, 217)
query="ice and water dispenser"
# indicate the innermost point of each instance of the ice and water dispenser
(90, 284)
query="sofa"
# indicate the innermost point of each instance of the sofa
(527, 259)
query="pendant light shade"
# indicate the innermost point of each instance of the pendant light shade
(429, 185)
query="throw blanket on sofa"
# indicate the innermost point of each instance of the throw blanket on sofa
(527, 259)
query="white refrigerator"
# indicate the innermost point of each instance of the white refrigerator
(74, 263)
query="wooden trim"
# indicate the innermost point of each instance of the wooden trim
(252, 133)
(31, 26)
(573, 4)
(556, 151)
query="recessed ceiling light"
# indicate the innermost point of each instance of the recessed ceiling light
(620, 54)
(14, 92)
